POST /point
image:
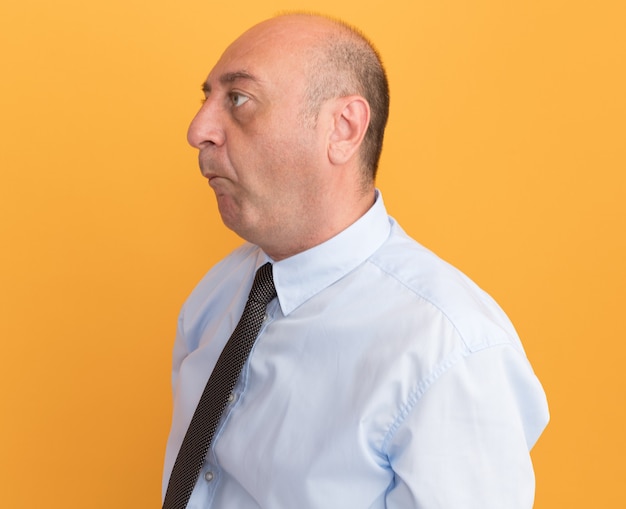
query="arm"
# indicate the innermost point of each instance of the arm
(465, 442)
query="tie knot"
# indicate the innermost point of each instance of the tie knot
(263, 289)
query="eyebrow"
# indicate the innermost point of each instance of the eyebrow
(230, 77)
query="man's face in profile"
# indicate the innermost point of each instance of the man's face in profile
(259, 155)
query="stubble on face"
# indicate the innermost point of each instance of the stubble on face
(268, 174)
(265, 175)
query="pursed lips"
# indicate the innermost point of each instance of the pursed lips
(206, 173)
(213, 178)
(208, 167)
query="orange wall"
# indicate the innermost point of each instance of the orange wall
(505, 154)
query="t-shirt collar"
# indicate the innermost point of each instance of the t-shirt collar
(300, 277)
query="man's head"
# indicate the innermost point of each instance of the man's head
(291, 131)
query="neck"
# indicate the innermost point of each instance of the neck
(334, 214)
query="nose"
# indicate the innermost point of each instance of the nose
(205, 128)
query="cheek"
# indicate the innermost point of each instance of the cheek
(271, 158)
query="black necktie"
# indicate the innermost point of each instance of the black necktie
(215, 397)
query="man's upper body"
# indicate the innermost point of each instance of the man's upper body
(381, 377)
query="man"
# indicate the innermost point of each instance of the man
(381, 377)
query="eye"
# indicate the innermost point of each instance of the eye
(238, 99)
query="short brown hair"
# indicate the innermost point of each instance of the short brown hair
(349, 64)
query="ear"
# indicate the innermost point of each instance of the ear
(351, 118)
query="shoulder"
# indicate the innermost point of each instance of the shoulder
(477, 318)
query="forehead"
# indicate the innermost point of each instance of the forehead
(273, 53)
